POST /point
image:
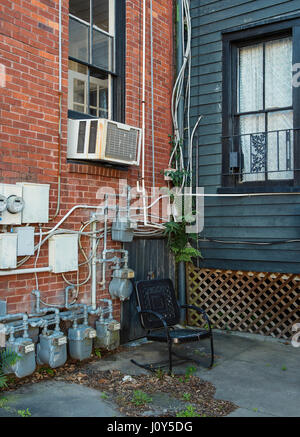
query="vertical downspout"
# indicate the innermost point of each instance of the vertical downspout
(94, 265)
(179, 57)
(59, 109)
(143, 111)
(152, 94)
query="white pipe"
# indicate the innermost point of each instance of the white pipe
(94, 268)
(143, 111)
(59, 47)
(190, 164)
(68, 214)
(24, 271)
(105, 244)
(60, 109)
(143, 88)
(220, 195)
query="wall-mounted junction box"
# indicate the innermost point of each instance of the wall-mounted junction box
(63, 253)
(7, 218)
(25, 244)
(8, 250)
(36, 198)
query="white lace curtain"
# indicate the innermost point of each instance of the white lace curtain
(273, 92)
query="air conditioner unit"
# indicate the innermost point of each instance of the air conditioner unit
(105, 140)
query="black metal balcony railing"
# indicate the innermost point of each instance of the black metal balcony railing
(261, 155)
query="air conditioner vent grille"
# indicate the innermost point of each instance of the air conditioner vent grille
(121, 144)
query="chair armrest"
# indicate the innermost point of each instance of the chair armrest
(199, 310)
(159, 316)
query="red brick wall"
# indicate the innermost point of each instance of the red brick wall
(29, 114)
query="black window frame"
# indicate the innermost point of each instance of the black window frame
(118, 76)
(232, 40)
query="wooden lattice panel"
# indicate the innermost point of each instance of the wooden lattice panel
(261, 303)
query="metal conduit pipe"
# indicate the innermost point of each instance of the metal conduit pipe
(48, 320)
(108, 310)
(78, 305)
(94, 266)
(124, 251)
(39, 311)
(33, 318)
(105, 243)
(80, 316)
(11, 317)
(25, 271)
(25, 323)
(67, 289)
(74, 316)
(11, 328)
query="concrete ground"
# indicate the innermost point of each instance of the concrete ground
(260, 376)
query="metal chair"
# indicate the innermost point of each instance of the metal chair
(159, 313)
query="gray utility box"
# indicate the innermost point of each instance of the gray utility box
(108, 334)
(52, 349)
(122, 230)
(25, 363)
(81, 342)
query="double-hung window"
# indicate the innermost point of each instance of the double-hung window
(260, 107)
(94, 70)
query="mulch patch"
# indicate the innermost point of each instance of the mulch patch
(195, 392)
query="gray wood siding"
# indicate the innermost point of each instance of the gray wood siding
(269, 218)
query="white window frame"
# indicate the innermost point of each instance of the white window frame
(76, 75)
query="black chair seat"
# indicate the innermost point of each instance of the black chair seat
(178, 335)
(160, 316)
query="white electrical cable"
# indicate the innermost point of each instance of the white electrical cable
(190, 161)
(36, 260)
(178, 90)
(87, 260)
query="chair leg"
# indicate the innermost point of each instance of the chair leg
(212, 351)
(143, 366)
(197, 361)
(151, 367)
(170, 357)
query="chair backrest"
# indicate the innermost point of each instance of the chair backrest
(157, 295)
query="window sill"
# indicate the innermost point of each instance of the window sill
(97, 169)
(262, 189)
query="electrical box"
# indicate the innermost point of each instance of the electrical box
(122, 230)
(36, 199)
(25, 244)
(11, 195)
(8, 250)
(63, 253)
